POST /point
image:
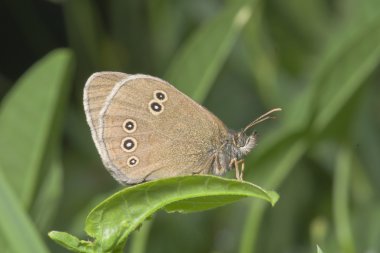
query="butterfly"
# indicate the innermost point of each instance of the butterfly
(145, 129)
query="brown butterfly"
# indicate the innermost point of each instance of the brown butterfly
(146, 129)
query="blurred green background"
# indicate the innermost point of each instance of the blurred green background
(318, 60)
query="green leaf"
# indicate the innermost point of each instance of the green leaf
(16, 228)
(196, 66)
(71, 242)
(341, 189)
(28, 117)
(319, 249)
(49, 193)
(111, 222)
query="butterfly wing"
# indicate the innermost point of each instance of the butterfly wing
(95, 92)
(151, 130)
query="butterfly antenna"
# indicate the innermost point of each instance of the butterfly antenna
(262, 118)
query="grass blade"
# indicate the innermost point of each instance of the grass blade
(15, 226)
(198, 63)
(140, 238)
(332, 85)
(341, 198)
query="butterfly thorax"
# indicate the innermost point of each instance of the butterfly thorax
(234, 148)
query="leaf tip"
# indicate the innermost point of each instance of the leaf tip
(65, 239)
(319, 249)
(53, 234)
(274, 197)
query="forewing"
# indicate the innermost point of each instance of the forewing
(180, 139)
(96, 90)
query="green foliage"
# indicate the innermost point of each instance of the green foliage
(38, 97)
(28, 118)
(195, 67)
(318, 60)
(16, 227)
(114, 219)
(314, 113)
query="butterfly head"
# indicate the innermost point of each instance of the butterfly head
(244, 143)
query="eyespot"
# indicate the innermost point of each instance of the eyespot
(129, 125)
(129, 144)
(160, 95)
(132, 161)
(155, 107)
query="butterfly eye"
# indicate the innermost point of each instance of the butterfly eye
(155, 107)
(129, 125)
(132, 161)
(160, 95)
(129, 144)
(241, 140)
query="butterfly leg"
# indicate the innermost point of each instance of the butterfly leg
(233, 162)
(242, 169)
(215, 166)
(238, 173)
